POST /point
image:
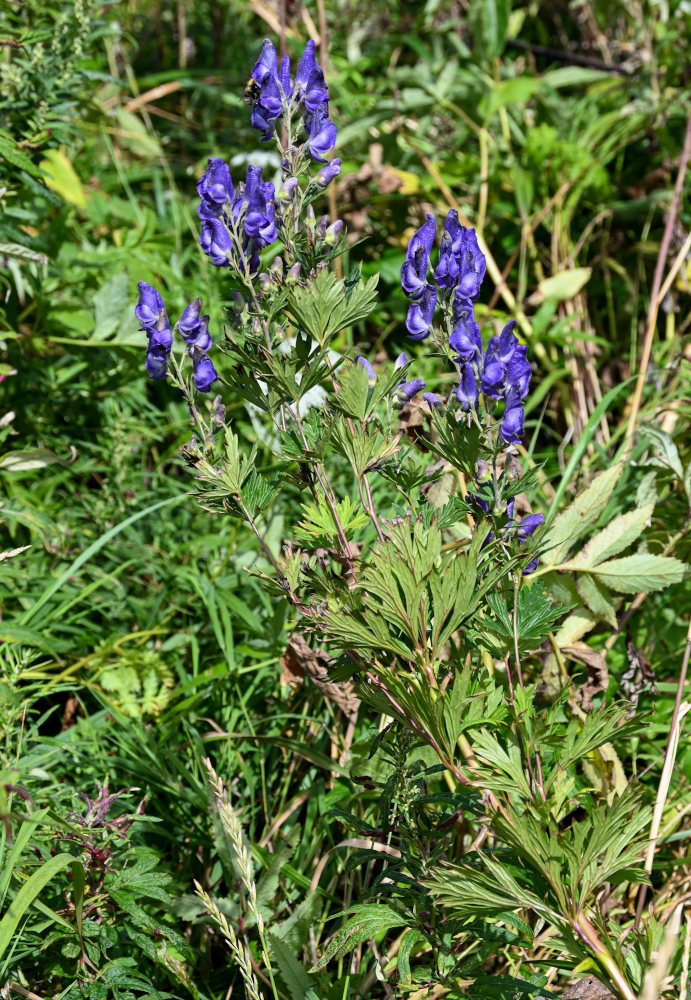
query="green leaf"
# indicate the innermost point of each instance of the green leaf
(514, 91)
(580, 515)
(489, 20)
(408, 941)
(110, 302)
(292, 972)
(574, 76)
(62, 178)
(565, 285)
(617, 536)
(9, 632)
(24, 253)
(596, 597)
(29, 461)
(369, 921)
(642, 573)
(27, 894)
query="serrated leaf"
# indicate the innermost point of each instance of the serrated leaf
(24, 253)
(292, 972)
(369, 921)
(596, 597)
(408, 941)
(642, 573)
(570, 524)
(617, 536)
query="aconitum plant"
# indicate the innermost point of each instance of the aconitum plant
(406, 559)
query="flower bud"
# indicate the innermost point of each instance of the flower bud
(218, 410)
(265, 282)
(276, 269)
(483, 473)
(310, 218)
(286, 192)
(333, 232)
(328, 173)
(239, 304)
(322, 226)
(293, 276)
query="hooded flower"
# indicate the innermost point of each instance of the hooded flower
(204, 372)
(414, 270)
(420, 314)
(152, 315)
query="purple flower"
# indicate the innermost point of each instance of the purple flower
(204, 372)
(467, 392)
(215, 188)
(414, 270)
(321, 133)
(216, 242)
(364, 363)
(333, 233)
(328, 173)
(472, 265)
(406, 390)
(511, 428)
(265, 65)
(433, 400)
(420, 313)
(156, 362)
(493, 377)
(518, 372)
(448, 268)
(401, 361)
(465, 338)
(150, 310)
(310, 85)
(528, 525)
(190, 319)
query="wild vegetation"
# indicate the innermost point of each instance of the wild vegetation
(345, 612)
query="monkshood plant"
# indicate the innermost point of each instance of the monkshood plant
(428, 600)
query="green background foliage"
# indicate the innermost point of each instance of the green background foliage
(135, 642)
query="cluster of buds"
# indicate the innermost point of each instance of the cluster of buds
(502, 371)
(192, 327)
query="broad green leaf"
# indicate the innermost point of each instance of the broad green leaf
(642, 573)
(583, 512)
(28, 893)
(135, 136)
(565, 285)
(514, 91)
(408, 941)
(617, 536)
(110, 302)
(596, 597)
(489, 20)
(62, 178)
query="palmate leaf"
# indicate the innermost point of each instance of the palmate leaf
(326, 306)
(366, 922)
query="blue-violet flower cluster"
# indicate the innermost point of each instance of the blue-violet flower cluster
(500, 372)
(192, 327)
(276, 97)
(236, 222)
